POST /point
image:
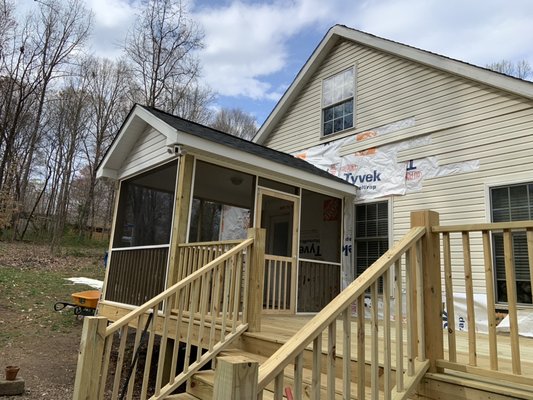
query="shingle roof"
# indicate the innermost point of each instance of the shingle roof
(235, 142)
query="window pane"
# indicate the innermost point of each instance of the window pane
(348, 107)
(518, 196)
(338, 87)
(500, 198)
(328, 128)
(337, 125)
(348, 121)
(338, 111)
(328, 114)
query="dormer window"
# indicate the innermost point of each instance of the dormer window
(338, 102)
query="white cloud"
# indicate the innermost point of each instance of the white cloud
(112, 20)
(245, 43)
(474, 31)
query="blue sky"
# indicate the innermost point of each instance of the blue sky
(254, 49)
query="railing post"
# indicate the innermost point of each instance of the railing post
(431, 279)
(90, 356)
(256, 277)
(235, 378)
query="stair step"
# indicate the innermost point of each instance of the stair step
(202, 382)
(181, 396)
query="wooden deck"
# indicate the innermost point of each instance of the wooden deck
(277, 329)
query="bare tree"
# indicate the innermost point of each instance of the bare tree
(108, 102)
(42, 50)
(519, 69)
(160, 48)
(236, 122)
(192, 103)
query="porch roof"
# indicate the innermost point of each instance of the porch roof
(201, 139)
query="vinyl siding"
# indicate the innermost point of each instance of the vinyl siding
(388, 89)
(465, 120)
(505, 154)
(149, 150)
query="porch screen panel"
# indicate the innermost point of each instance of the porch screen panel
(139, 257)
(146, 208)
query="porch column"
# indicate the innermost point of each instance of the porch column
(181, 214)
(431, 280)
(256, 279)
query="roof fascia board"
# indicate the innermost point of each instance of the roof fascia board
(138, 113)
(206, 147)
(437, 61)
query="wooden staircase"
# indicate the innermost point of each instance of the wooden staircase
(345, 351)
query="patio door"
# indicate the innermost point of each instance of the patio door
(278, 214)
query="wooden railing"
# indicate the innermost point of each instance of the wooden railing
(210, 308)
(458, 243)
(192, 256)
(279, 284)
(396, 372)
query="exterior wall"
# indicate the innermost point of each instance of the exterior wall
(149, 150)
(464, 119)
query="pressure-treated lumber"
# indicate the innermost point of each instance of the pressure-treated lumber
(235, 378)
(256, 276)
(90, 358)
(432, 285)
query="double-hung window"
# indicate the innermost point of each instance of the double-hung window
(512, 203)
(371, 234)
(338, 101)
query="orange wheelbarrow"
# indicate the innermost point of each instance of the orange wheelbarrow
(84, 303)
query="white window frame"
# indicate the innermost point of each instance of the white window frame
(340, 101)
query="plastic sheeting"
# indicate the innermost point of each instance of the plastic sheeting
(94, 283)
(375, 171)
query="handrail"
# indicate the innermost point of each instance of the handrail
(490, 226)
(173, 289)
(211, 307)
(308, 333)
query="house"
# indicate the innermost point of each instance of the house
(413, 130)
(224, 185)
(266, 255)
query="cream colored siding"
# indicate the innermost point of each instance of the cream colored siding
(465, 121)
(149, 150)
(505, 154)
(389, 89)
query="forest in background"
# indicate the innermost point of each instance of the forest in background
(61, 107)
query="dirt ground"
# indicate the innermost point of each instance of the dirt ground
(42, 342)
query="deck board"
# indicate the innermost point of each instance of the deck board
(279, 329)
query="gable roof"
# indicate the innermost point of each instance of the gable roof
(339, 32)
(205, 140)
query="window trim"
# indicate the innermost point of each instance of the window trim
(323, 107)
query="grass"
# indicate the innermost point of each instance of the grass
(32, 281)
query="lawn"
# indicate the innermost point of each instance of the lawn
(43, 342)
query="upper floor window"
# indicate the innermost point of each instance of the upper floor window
(338, 102)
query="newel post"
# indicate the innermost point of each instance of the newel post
(90, 357)
(431, 279)
(256, 277)
(235, 378)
